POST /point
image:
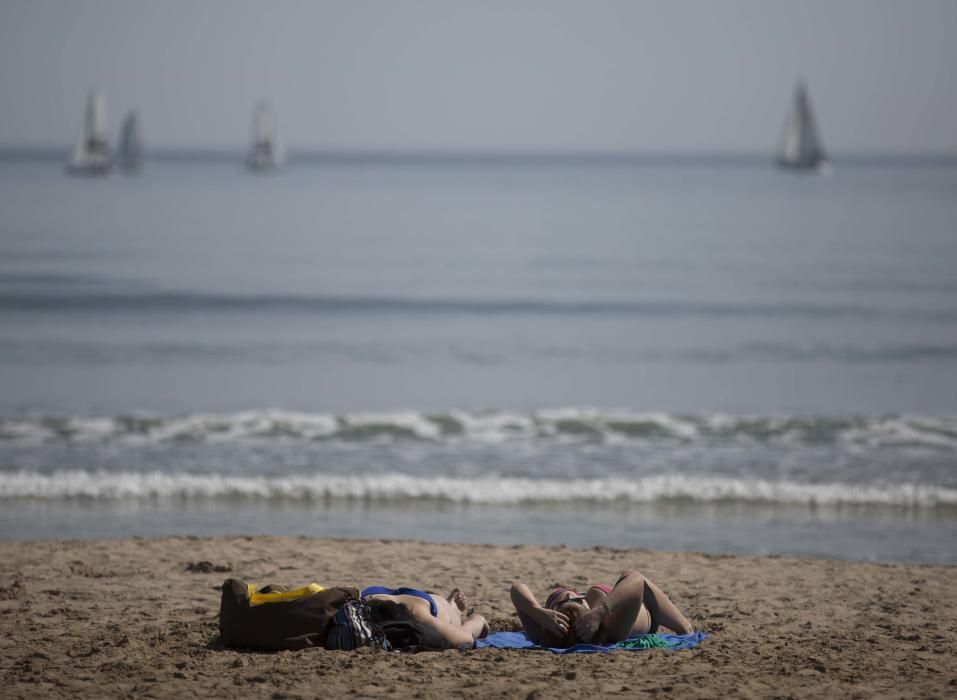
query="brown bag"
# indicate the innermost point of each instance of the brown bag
(296, 624)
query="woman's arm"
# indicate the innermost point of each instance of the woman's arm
(536, 619)
(456, 635)
(614, 615)
(476, 625)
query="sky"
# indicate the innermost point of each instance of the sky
(496, 75)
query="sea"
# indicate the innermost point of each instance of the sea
(692, 353)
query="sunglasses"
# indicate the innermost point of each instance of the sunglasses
(571, 599)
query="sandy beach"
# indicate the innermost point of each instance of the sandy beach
(139, 617)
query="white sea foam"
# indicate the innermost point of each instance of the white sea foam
(490, 490)
(906, 431)
(402, 422)
(563, 424)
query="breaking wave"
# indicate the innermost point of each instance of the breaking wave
(489, 490)
(574, 424)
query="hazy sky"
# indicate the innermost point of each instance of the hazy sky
(487, 74)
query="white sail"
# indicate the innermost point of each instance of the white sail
(131, 143)
(91, 154)
(801, 146)
(266, 150)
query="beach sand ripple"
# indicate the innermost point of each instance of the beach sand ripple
(138, 617)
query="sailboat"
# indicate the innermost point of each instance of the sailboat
(91, 154)
(801, 147)
(265, 149)
(131, 143)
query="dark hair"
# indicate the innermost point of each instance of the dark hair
(388, 611)
(568, 639)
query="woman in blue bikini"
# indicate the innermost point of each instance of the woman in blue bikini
(603, 615)
(446, 616)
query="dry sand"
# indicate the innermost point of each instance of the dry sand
(128, 618)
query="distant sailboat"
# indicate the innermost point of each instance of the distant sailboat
(131, 143)
(265, 150)
(91, 155)
(801, 147)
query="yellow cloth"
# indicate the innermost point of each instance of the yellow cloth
(284, 597)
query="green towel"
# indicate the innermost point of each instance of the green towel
(644, 641)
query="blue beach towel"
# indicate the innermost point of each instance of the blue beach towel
(671, 642)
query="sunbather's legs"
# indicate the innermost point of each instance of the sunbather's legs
(634, 603)
(659, 605)
(664, 611)
(626, 612)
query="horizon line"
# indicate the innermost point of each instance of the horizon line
(491, 155)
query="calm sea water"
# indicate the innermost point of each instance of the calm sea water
(707, 355)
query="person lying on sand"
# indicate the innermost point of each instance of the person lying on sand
(603, 615)
(446, 616)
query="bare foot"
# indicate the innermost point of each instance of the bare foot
(458, 599)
